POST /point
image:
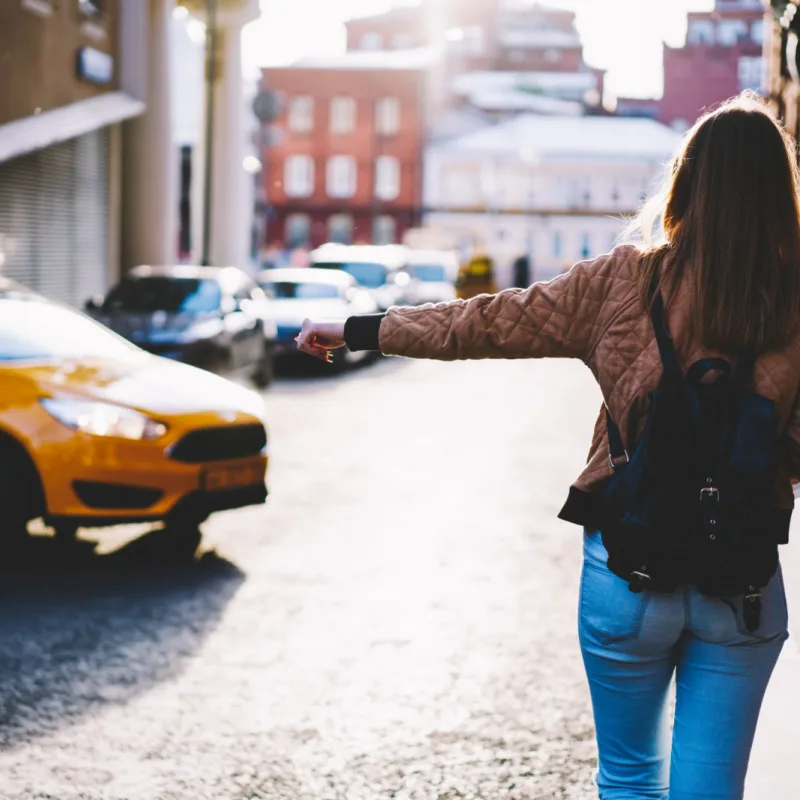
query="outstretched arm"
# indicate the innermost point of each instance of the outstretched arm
(561, 318)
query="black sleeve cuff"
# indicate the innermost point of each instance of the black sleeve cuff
(361, 332)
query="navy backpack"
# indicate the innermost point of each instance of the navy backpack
(694, 503)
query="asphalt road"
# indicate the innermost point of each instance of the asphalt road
(397, 622)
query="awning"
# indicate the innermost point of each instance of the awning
(50, 127)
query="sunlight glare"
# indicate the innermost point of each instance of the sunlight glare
(623, 36)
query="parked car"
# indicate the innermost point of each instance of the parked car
(382, 270)
(213, 318)
(314, 293)
(96, 431)
(435, 273)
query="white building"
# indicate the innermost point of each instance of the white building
(557, 189)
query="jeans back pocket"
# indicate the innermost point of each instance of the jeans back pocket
(608, 610)
(774, 619)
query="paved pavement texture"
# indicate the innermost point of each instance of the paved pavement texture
(398, 621)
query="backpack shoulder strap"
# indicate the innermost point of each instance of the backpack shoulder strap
(618, 453)
(743, 371)
(666, 348)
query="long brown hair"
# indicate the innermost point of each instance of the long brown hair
(731, 220)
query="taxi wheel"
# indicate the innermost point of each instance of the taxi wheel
(21, 495)
(180, 542)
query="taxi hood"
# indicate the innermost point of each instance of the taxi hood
(147, 383)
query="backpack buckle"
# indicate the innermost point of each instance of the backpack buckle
(751, 609)
(639, 581)
(619, 461)
(710, 492)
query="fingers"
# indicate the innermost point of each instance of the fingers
(308, 342)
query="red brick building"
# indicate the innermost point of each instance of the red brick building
(348, 162)
(722, 56)
(347, 165)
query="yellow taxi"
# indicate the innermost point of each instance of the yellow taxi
(95, 431)
(476, 277)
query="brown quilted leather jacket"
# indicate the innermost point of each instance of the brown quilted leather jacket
(593, 313)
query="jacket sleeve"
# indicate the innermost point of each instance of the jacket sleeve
(791, 442)
(562, 318)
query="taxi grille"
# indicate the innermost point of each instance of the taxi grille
(219, 444)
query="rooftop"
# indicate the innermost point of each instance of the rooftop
(545, 82)
(515, 100)
(416, 58)
(540, 138)
(540, 38)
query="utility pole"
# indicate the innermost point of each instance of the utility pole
(211, 79)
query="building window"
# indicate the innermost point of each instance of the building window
(44, 8)
(371, 41)
(343, 115)
(387, 178)
(340, 229)
(298, 230)
(751, 72)
(384, 230)
(387, 116)
(301, 114)
(730, 31)
(701, 31)
(552, 55)
(341, 176)
(586, 245)
(757, 31)
(461, 186)
(91, 8)
(403, 41)
(557, 244)
(298, 176)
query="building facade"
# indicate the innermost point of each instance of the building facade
(723, 56)
(345, 164)
(554, 189)
(783, 65)
(62, 102)
(89, 161)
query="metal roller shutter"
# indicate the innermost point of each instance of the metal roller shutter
(54, 218)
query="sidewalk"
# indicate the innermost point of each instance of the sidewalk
(775, 764)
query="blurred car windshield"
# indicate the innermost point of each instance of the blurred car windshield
(161, 293)
(289, 290)
(35, 329)
(372, 276)
(429, 274)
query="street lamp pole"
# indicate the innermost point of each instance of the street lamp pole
(211, 79)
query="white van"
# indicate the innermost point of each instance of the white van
(382, 269)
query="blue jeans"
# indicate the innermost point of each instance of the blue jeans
(633, 644)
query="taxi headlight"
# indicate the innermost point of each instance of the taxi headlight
(103, 419)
